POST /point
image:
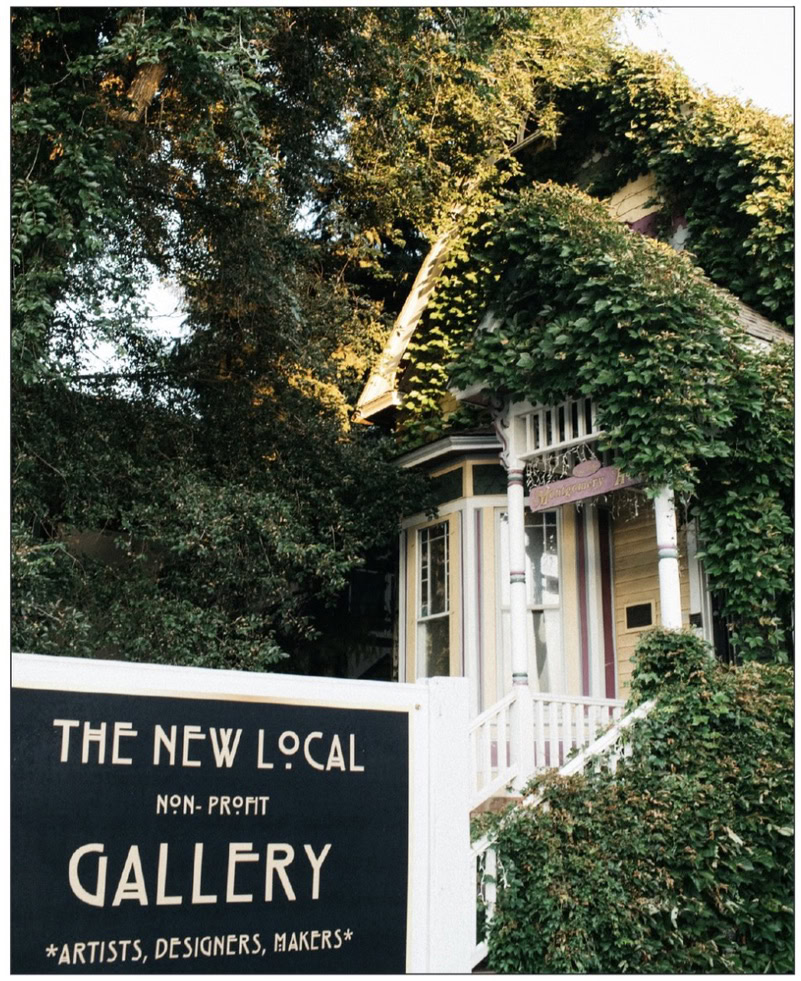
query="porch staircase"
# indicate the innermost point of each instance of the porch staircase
(523, 734)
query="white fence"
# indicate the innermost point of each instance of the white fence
(522, 734)
(427, 770)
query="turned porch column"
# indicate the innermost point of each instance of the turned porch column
(668, 553)
(522, 728)
(518, 600)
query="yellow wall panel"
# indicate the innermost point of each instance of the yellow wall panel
(636, 580)
(490, 607)
(569, 600)
(455, 589)
(411, 604)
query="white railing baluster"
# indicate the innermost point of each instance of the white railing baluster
(484, 863)
(490, 732)
(593, 721)
(539, 707)
(506, 738)
(473, 736)
(553, 735)
(581, 728)
(577, 711)
(558, 725)
(487, 753)
(491, 872)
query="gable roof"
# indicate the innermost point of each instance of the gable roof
(380, 392)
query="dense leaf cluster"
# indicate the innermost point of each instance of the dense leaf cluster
(139, 534)
(723, 167)
(585, 307)
(682, 860)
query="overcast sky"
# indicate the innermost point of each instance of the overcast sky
(741, 51)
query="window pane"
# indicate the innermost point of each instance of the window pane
(434, 570)
(447, 486)
(489, 478)
(547, 650)
(543, 558)
(433, 647)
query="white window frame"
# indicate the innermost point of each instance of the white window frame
(503, 606)
(421, 667)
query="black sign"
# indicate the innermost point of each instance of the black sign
(170, 834)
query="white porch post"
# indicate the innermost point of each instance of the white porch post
(517, 572)
(522, 719)
(518, 616)
(668, 552)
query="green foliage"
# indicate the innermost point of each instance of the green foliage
(277, 165)
(727, 168)
(210, 556)
(681, 861)
(663, 657)
(589, 308)
(449, 91)
(585, 307)
(745, 506)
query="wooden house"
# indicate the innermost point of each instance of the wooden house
(522, 580)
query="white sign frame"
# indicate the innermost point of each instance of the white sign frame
(441, 897)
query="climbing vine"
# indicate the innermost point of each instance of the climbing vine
(582, 306)
(724, 167)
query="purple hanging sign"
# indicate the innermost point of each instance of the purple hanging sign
(578, 488)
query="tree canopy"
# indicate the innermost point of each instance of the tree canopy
(286, 170)
(284, 167)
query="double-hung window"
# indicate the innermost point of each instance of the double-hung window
(433, 611)
(544, 621)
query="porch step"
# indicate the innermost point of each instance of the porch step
(494, 805)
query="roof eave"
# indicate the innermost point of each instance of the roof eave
(448, 446)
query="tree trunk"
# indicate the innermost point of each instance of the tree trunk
(142, 91)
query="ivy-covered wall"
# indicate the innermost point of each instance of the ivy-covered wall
(588, 308)
(724, 166)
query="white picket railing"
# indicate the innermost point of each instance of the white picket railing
(570, 724)
(509, 745)
(494, 749)
(563, 723)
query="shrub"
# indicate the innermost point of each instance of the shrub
(681, 861)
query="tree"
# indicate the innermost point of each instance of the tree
(199, 144)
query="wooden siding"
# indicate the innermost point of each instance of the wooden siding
(635, 579)
(635, 200)
(569, 600)
(490, 694)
